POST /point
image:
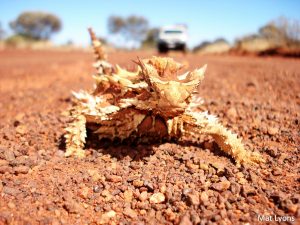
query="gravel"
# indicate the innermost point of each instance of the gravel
(191, 182)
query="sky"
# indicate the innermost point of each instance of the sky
(206, 20)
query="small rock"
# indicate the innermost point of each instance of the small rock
(73, 207)
(116, 192)
(277, 171)
(162, 188)
(272, 151)
(221, 186)
(192, 166)
(204, 198)
(130, 213)
(128, 194)
(96, 188)
(248, 190)
(232, 113)
(143, 212)
(193, 198)
(235, 188)
(219, 167)
(11, 205)
(84, 192)
(204, 166)
(21, 169)
(3, 162)
(138, 183)
(114, 178)
(106, 193)
(185, 220)
(170, 215)
(143, 196)
(21, 129)
(228, 205)
(273, 130)
(157, 198)
(11, 191)
(148, 185)
(106, 217)
(9, 155)
(5, 169)
(292, 208)
(195, 218)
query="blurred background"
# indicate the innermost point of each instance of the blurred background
(204, 27)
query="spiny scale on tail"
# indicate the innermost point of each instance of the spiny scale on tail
(152, 103)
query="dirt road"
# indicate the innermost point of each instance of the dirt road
(169, 183)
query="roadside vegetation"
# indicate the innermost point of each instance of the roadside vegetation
(278, 37)
(34, 29)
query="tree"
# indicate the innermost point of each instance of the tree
(2, 32)
(36, 25)
(282, 31)
(289, 27)
(132, 28)
(151, 37)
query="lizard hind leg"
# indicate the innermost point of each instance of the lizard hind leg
(195, 123)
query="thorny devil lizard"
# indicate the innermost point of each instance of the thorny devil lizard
(150, 104)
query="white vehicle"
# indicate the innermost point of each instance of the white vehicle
(172, 37)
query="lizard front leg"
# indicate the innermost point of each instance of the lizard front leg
(196, 123)
(75, 135)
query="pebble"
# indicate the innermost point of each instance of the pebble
(157, 198)
(5, 169)
(235, 188)
(130, 213)
(84, 192)
(232, 113)
(273, 130)
(204, 198)
(272, 151)
(73, 207)
(94, 174)
(148, 185)
(195, 218)
(204, 166)
(171, 216)
(143, 196)
(292, 208)
(97, 189)
(11, 191)
(185, 220)
(21, 169)
(193, 198)
(114, 178)
(128, 195)
(192, 166)
(9, 155)
(219, 167)
(108, 196)
(137, 183)
(221, 186)
(21, 129)
(247, 189)
(106, 217)
(277, 171)
(3, 162)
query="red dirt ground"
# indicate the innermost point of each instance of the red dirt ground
(258, 98)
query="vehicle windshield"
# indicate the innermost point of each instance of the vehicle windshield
(172, 31)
